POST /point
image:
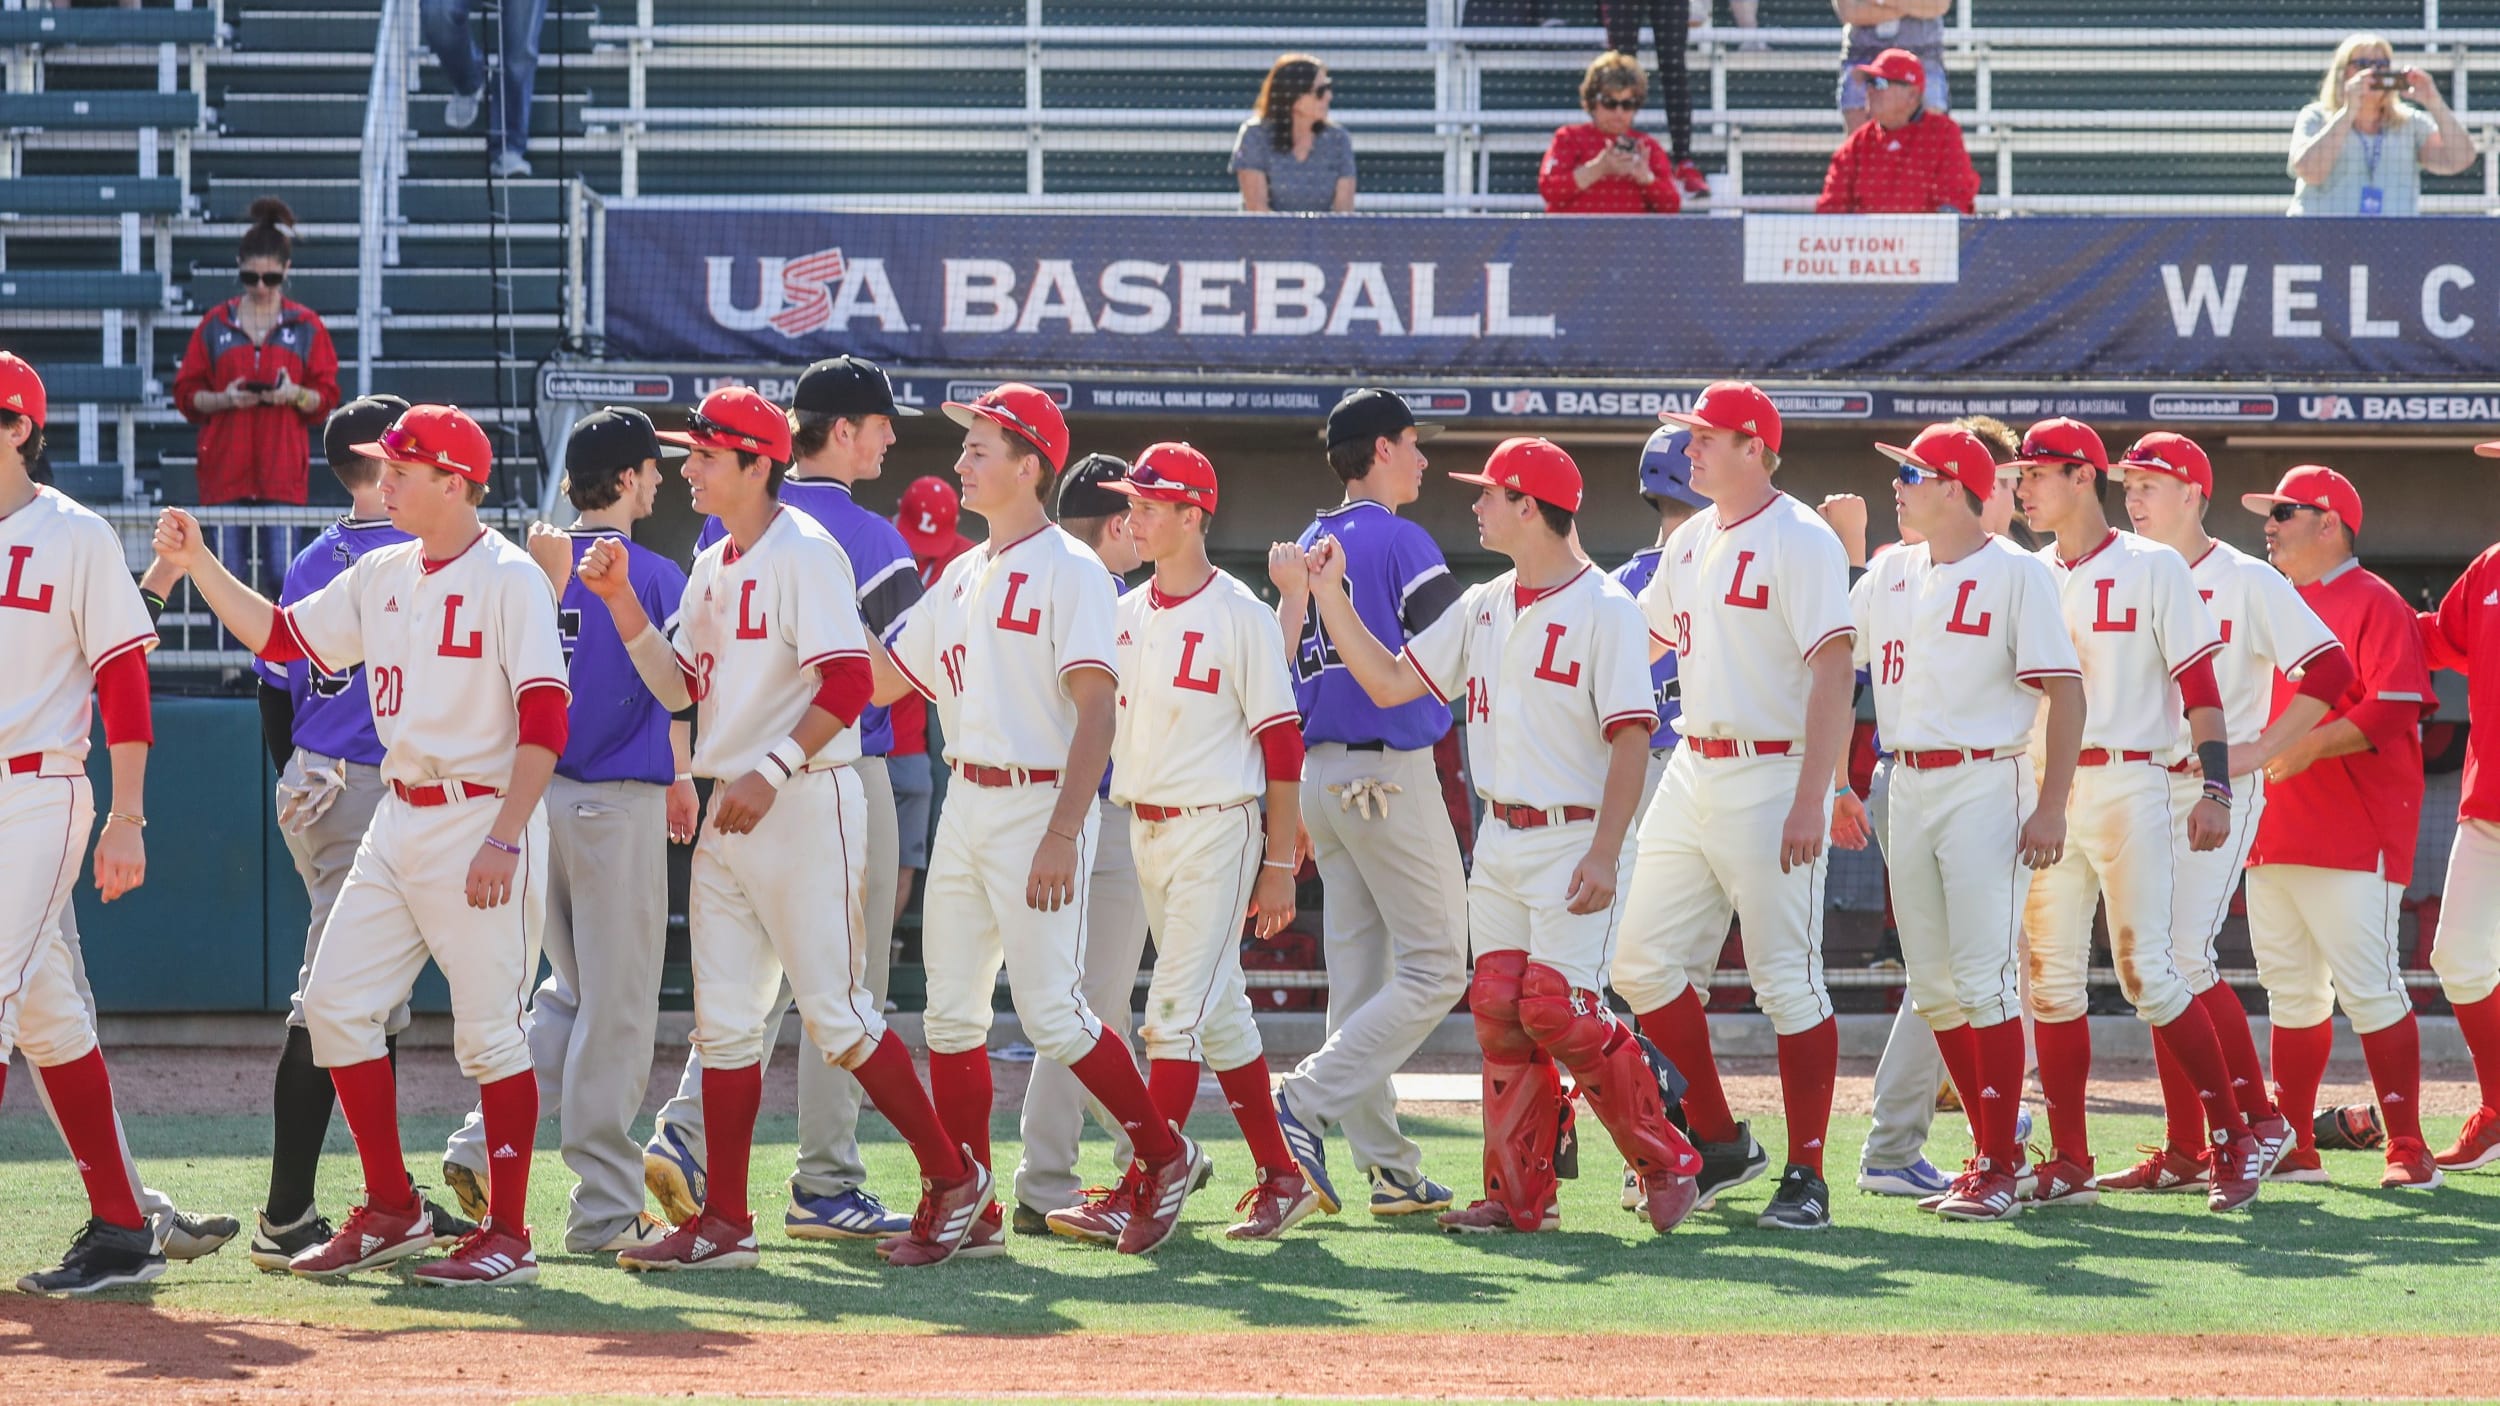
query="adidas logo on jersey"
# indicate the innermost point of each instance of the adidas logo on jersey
(1124, 638)
(1687, 558)
(1901, 585)
(1484, 617)
(392, 608)
(2492, 599)
(506, 1151)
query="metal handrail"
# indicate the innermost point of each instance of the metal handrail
(382, 162)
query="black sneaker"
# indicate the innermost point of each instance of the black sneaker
(1030, 1222)
(1728, 1165)
(1803, 1202)
(449, 1229)
(274, 1246)
(188, 1237)
(1567, 1141)
(104, 1256)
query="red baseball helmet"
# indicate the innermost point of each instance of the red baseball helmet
(929, 512)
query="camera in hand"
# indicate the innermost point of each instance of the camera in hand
(1626, 144)
(2389, 79)
(256, 387)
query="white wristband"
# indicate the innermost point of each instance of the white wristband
(782, 762)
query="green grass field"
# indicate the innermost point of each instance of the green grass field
(2313, 1260)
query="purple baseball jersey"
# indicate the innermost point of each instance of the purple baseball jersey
(1120, 585)
(1632, 576)
(1400, 584)
(333, 716)
(889, 580)
(618, 731)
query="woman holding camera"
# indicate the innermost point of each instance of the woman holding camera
(2362, 147)
(1604, 166)
(1289, 157)
(259, 374)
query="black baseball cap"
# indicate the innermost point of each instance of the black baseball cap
(358, 422)
(1368, 413)
(611, 441)
(846, 385)
(1081, 491)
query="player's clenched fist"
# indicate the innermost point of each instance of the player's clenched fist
(553, 551)
(178, 539)
(737, 808)
(121, 859)
(603, 570)
(1288, 569)
(1326, 563)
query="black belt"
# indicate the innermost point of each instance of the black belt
(1367, 746)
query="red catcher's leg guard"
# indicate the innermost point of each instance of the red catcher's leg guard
(1522, 1114)
(1493, 996)
(1577, 1029)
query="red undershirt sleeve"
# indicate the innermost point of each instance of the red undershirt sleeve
(283, 646)
(1282, 744)
(844, 687)
(543, 718)
(2327, 676)
(2197, 688)
(121, 694)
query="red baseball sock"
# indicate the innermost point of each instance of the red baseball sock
(1172, 1085)
(2065, 1068)
(2000, 1091)
(730, 1100)
(2299, 1066)
(2190, 1036)
(509, 1108)
(1809, 1066)
(1109, 1072)
(1682, 1033)
(2479, 1021)
(894, 1087)
(1960, 1047)
(1254, 1108)
(369, 1097)
(81, 1094)
(959, 1084)
(2239, 1050)
(2395, 1056)
(2183, 1115)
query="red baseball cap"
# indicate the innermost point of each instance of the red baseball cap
(928, 516)
(2177, 455)
(21, 389)
(1536, 467)
(1953, 452)
(1027, 412)
(1896, 66)
(737, 418)
(1169, 473)
(2314, 486)
(2488, 451)
(2064, 442)
(439, 437)
(1733, 405)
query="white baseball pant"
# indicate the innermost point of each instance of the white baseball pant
(45, 822)
(2324, 937)
(974, 918)
(325, 851)
(1518, 901)
(1052, 1123)
(2467, 952)
(1196, 872)
(2201, 897)
(2120, 851)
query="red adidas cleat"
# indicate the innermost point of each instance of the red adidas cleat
(370, 1239)
(2477, 1146)
(484, 1257)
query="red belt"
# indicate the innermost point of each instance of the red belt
(441, 793)
(1721, 748)
(1940, 758)
(2102, 756)
(1531, 818)
(1161, 813)
(26, 765)
(1002, 775)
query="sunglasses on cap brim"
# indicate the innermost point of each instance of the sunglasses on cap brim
(699, 423)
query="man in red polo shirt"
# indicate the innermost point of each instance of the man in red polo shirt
(1908, 161)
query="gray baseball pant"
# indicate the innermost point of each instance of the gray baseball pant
(1052, 1122)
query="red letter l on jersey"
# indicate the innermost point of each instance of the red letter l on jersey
(1761, 597)
(2101, 623)
(473, 647)
(1959, 625)
(15, 597)
(1189, 655)
(1029, 623)
(750, 624)
(1545, 667)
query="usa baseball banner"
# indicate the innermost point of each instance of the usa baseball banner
(1892, 297)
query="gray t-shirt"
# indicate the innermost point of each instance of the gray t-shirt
(1303, 186)
(2391, 161)
(1860, 43)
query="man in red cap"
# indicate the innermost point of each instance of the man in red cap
(2464, 635)
(1752, 594)
(1014, 644)
(1909, 160)
(1549, 670)
(926, 518)
(458, 636)
(2266, 629)
(2334, 849)
(1961, 637)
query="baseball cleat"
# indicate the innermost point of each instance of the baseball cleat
(1098, 1219)
(2164, 1168)
(1980, 1193)
(1668, 1199)
(187, 1237)
(2066, 1181)
(1160, 1192)
(1803, 1202)
(1489, 1217)
(1310, 1149)
(1920, 1178)
(2238, 1165)
(2300, 1164)
(1632, 1198)
(673, 1174)
(1728, 1165)
(468, 1186)
(1393, 1195)
(449, 1228)
(2022, 1125)
(371, 1238)
(950, 1211)
(704, 1242)
(103, 1256)
(276, 1246)
(485, 1257)
(2477, 1146)
(1274, 1204)
(1030, 1222)
(2410, 1166)
(856, 1214)
(2274, 1136)
(643, 1231)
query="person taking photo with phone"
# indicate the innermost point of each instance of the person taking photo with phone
(2376, 126)
(1604, 166)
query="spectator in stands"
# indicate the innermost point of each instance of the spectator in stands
(445, 24)
(1623, 35)
(1909, 160)
(1289, 157)
(2362, 147)
(1604, 166)
(1869, 27)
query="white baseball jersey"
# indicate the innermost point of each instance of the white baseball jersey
(1540, 683)
(68, 606)
(1744, 606)
(2265, 627)
(753, 630)
(991, 642)
(1956, 652)
(2137, 623)
(1200, 678)
(447, 648)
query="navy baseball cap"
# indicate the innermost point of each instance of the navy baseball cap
(357, 422)
(1082, 490)
(1667, 467)
(1369, 413)
(846, 385)
(612, 441)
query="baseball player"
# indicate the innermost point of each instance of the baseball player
(843, 411)
(1394, 906)
(1966, 648)
(1549, 666)
(2334, 849)
(1014, 646)
(2147, 644)
(2266, 629)
(1752, 595)
(2464, 635)
(926, 518)
(467, 682)
(614, 804)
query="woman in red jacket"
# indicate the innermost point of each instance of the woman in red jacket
(259, 375)
(1603, 166)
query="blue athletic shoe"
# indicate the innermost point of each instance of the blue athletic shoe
(1393, 1196)
(1920, 1178)
(674, 1175)
(1311, 1151)
(854, 1215)
(2022, 1125)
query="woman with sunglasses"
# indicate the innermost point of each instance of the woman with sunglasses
(1289, 157)
(259, 377)
(1605, 166)
(2362, 147)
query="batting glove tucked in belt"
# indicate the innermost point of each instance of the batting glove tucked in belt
(306, 792)
(1368, 798)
